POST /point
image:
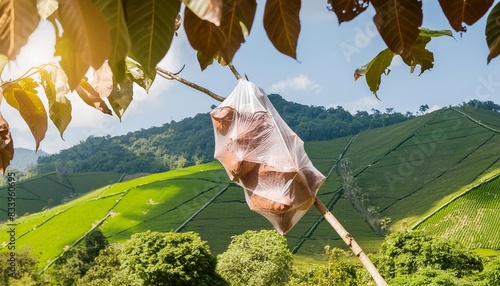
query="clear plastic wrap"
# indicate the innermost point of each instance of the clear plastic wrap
(263, 155)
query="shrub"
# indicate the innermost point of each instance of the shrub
(256, 258)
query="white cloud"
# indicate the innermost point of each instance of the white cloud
(364, 103)
(298, 83)
(433, 108)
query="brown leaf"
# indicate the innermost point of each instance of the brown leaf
(346, 10)
(204, 36)
(236, 23)
(398, 23)
(419, 55)
(103, 80)
(91, 97)
(282, 24)
(209, 10)
(18, 19)
(6, 145)
(87, 30)
(464, 11)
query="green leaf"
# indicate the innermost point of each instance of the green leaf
(434, 33)
(205, 37)
(138, 74)
(6, 145)
(33, 112)
(8, 95)
(151, 26)
(87, 30)
(26, 83)
(236, 22)
(282, 25)
(205, 61)
(493, 32)
(209, 10)
(91, 97)
(59, 106)
(346, 10)
(121, 97)
(71, 62)
(17, 22)
(46, 7)
(375, 68)
(419, 55)
(112, 10)
(398, 23)
(464, 11)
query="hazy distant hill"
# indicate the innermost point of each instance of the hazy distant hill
(25, 157)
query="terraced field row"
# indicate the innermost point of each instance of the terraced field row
(471, 219)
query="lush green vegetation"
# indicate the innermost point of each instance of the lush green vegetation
(471, 219)
(191, 140)
(252, 258)
(256, 258)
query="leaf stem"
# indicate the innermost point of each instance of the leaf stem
(28, 73)
(233, 69)
(172, 76)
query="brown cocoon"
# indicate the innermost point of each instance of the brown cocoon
(250, 179)
(270, 176)
(240, 168)
(222, 118)
(258, 203)
(254, 126)
(314, 178)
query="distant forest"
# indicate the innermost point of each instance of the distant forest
(191, 140)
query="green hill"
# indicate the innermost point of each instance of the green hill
(405, 172)
(191, 140)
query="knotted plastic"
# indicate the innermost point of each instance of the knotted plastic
(262, 154)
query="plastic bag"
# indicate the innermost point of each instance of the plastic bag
(263, 155)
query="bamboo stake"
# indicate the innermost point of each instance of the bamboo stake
(349, 240)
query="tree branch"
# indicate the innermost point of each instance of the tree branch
(172, 76)
(235, 72)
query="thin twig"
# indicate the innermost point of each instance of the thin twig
(233, 69)
(172, 76)
(28, 73)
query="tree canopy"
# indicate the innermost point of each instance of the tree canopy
(124, 40)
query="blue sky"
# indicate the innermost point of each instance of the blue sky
(327, 56)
